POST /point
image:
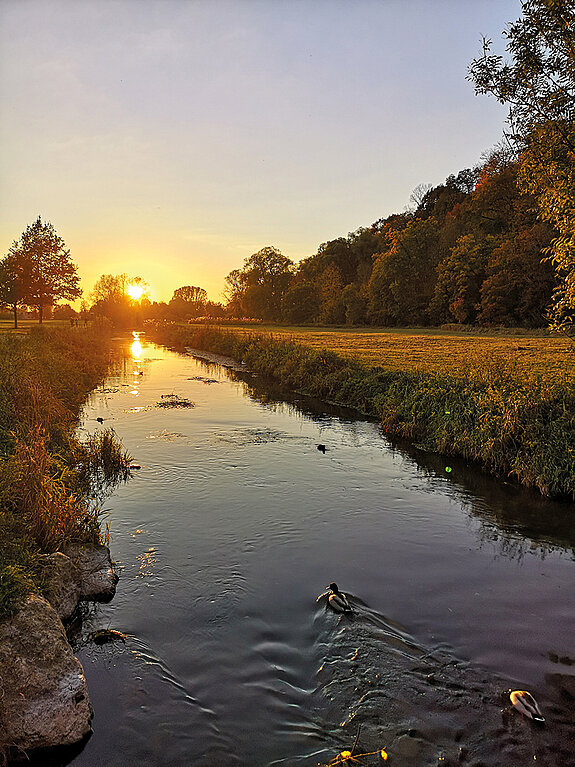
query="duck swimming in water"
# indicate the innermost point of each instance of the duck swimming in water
(526, 703)
(338, 601)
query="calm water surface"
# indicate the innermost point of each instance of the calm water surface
(462, 587)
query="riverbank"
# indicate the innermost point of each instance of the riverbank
(51, 484)
(512, 421)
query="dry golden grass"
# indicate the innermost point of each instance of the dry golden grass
(436, 350)
(24, 325)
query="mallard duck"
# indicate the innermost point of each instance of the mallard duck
(526, 703)
(338, 601)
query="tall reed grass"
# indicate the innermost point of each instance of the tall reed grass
(488, 411)
(50, 483)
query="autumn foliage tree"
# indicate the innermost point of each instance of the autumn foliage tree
(41, 269)
(537, 82)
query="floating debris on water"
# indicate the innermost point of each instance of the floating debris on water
(203, 379)
(166, 436)
(173, 400)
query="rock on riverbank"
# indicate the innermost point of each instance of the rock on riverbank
(44, 698)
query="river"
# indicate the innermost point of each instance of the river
(462, 588)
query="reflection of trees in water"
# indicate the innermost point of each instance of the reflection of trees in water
(517, 520)
(269, 394)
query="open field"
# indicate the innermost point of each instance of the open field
(24, 325)
(435, 349)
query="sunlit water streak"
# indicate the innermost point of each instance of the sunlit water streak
(236, 522)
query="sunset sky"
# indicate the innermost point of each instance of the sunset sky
(171, 139)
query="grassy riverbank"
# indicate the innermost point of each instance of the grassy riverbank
(451, 348)
(514, 417)
(49, 480)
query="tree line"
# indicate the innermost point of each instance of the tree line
(471, 250)
(492, 245)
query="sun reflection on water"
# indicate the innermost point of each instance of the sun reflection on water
(136, 347)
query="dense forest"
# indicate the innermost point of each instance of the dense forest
(471, 250)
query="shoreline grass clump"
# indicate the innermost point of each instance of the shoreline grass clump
(488, 410)
(50, 482)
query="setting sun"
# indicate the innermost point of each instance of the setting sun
(135, 291)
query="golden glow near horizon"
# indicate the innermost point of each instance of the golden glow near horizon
(226, 101)
(135, 291)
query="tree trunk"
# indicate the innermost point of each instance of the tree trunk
(40, 310)
(15, 310)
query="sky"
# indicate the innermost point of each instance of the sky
(172, 139)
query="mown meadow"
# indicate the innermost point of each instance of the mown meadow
(436, 349)
(50, 481)
(506, 403)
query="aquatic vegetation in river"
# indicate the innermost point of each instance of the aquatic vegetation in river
(103, 636)
(173, 400)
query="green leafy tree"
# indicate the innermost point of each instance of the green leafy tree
(403, 279)
(331, 307)
(538, 84)
(110, 287)
(234, 292)
(109, 299)
(355, 299)
(300, 303)
(64, 312)
(188, 301)
(48, 271)
(460, 277)
(258, 288)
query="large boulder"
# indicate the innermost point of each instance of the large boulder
(98, 578)
(61, 583)
(44, 699)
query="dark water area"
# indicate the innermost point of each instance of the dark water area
(462, 588)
